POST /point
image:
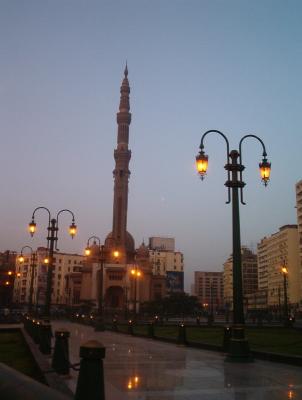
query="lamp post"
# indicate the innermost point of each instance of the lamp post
(32, 271)
(101, 259)
(52, 238)
(284, 271)
(211, 315)
(136, 274)
(279, 303)
(239, 347)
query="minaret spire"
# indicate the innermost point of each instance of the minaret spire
(119, 237)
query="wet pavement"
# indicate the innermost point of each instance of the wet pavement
(146, 369)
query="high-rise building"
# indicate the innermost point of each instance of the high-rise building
(209, 289)
(299, 220)
(278, 250)
(167, 262)
(249, 276)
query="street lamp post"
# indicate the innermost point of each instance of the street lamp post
(239, 347)
(211, 315)
(285, 274)
(101, 259)
(136, 273)
(52, 238)
(32, 271)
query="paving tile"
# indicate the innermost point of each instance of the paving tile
(145, 369)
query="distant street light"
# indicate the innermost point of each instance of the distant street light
(101, 257)
(284, 271)
(136, 274)
(32, 272)
(52, 238)
(239, 347)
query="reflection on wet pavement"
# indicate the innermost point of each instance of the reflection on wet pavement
(146, 369)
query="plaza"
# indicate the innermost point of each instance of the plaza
(145, 369)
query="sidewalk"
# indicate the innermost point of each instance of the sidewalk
(145, 369)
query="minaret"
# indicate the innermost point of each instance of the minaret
(119, 238)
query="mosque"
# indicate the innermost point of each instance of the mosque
(117, 272)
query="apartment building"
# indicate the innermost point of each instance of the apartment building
(278, 250)
(249, 276)
(167, 262)
(63, 264)
(208, 288)
(299, 220)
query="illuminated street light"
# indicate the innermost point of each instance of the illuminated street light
(239, 347)
(32, 268)
(136, 274)
(284, 272)
(53, 227)
(101, 259)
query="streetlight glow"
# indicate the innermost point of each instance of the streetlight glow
(87, 251)
(284, 270)
(32, 226)
(202, 164)
(265, 170)
(72, 230)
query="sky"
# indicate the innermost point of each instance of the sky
(194, 65)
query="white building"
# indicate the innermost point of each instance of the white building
(278, 250)
(63, 264)
(167, 262)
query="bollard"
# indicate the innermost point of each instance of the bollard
(182, 337)
(60, 359)
(226, 338)
(90, 383)
(26, 324)
(151, 330)
(31, 325)
(35, 331)
(114, 324)
(45, 338)
(130, 327)
(99, 325)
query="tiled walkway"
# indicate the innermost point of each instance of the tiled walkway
(145, 369)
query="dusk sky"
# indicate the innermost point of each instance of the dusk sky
(197, 65)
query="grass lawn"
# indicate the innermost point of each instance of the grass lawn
(169, 332)
(204, 334)
(274, 340)
(15, 353)
(140, 330)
